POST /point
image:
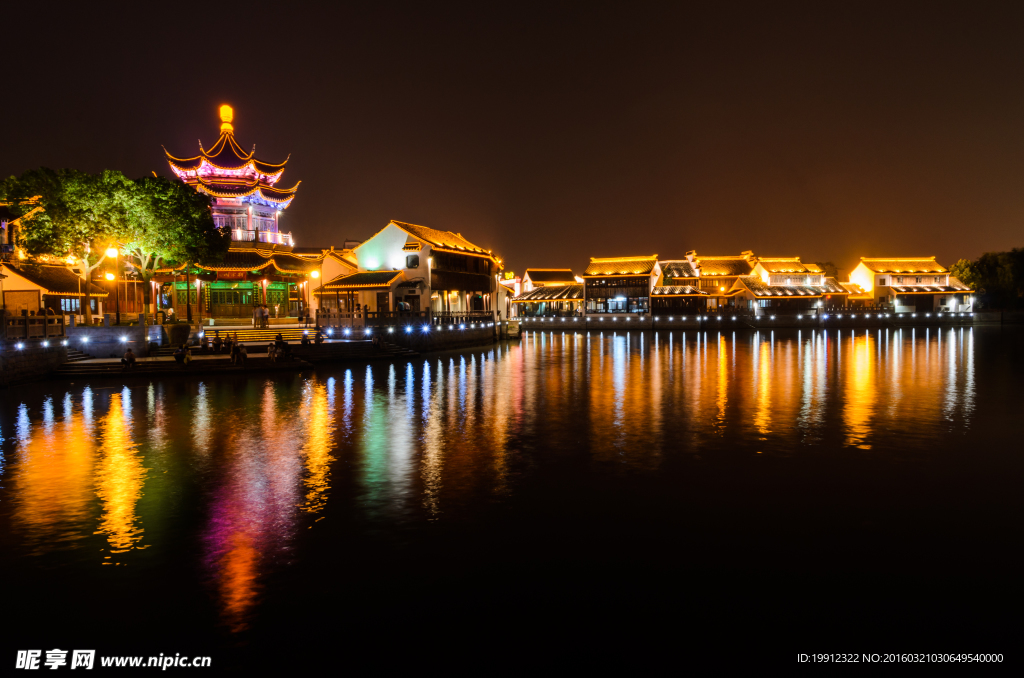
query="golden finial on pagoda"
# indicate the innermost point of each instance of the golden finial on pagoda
(226, 116)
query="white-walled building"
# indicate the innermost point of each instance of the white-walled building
(427, 269)
(915, 284)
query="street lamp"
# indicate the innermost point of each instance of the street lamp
(320, 302)
(112, 252)
(117, 303)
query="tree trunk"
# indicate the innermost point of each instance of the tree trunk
(188, 293)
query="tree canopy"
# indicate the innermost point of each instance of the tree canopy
(149, 220)
(1000, 278)
(830, 269)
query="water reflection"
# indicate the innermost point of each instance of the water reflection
(440, 437)
(119, 477)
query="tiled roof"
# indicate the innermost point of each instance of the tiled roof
(911, 265)
(292, 264)
(786, 265)
(833, 286)
(257, 260)
(240, 260)
(550, 275)
(854, 290)
(954, 286)
(678, 269)
(620, 266)
(676, 291)
(56, 280)
(363, 280)
(761, 289)
(724, 265)
(226, 154)
(563, 292)
(440, 239)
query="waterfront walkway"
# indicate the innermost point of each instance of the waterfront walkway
(303, 357)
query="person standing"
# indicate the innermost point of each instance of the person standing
(256, 316)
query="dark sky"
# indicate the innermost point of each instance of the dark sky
(555, 134)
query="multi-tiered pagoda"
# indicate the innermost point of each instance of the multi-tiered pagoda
(262, 265)
(244, 191)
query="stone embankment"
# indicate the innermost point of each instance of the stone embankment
(23, 362)
(718, 321)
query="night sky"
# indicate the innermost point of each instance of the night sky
(554, 135)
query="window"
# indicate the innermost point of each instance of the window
(412, 261)
(899, 280)
(881, 281)
(938, 280)
(69, 305)
(919, 280)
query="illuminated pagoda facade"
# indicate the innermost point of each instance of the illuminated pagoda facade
(262, 265)
(244, 189)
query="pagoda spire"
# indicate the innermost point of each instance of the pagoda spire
(227, 114)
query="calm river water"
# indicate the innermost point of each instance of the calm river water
(590, 495)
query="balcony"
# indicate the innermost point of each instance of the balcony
(269, 237)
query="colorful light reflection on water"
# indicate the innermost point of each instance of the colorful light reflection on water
(123, 475)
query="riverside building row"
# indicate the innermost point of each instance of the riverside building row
(745, 283)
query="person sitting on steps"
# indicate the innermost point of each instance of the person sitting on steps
(128, 361)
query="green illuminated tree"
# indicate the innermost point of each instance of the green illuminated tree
(170, 222)
(82, 215)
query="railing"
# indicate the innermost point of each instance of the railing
(272, 237)
(555, 314)
(459, 317)
(381, 318)
(33, 326)
(328, 318)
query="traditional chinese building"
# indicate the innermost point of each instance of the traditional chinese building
(700, 282)
(262, 266)
(915, 284)
(34, 287)
(425, 268)
(783, 284)
(620, 284)
(549, 291)
(244, 189)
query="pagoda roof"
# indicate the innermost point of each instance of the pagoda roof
(231, 187)
(249, 259)
(227, 171)
(226, 154)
